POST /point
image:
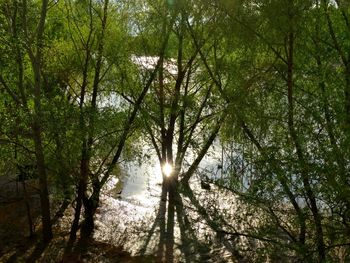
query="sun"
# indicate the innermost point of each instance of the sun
(167, 169)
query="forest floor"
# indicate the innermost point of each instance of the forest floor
(16, 245)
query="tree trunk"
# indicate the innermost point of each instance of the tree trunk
(303, 164)
(80, 195)
(90, 206)
(172, 188)
(44, 193)
(347, 98)
(27, 205)
(35, 59)
(84, 161)
(162, 224)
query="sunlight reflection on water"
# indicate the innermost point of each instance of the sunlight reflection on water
(125, 219)
(121, 217)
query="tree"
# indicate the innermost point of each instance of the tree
(181, 104)
(284, 116)
(31, 45)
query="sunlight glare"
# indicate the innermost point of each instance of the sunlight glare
(167, 169)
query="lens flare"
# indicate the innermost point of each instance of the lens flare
(167, 169)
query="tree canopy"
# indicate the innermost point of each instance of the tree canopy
(245, 102)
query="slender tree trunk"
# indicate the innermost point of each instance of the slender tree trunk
(347, 97)
(303, 164)
(27, 205)
(172, 188)
(36, 63)
(91, 203)
(283, 181)
(62, 168)
(44, 192)
(162, 223)
(39, 153)
(213, 224)
(80, 195)
(84, 162)
(344, 56)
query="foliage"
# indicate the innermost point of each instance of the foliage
(268, 81)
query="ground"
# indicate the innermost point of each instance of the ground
(17, 246)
